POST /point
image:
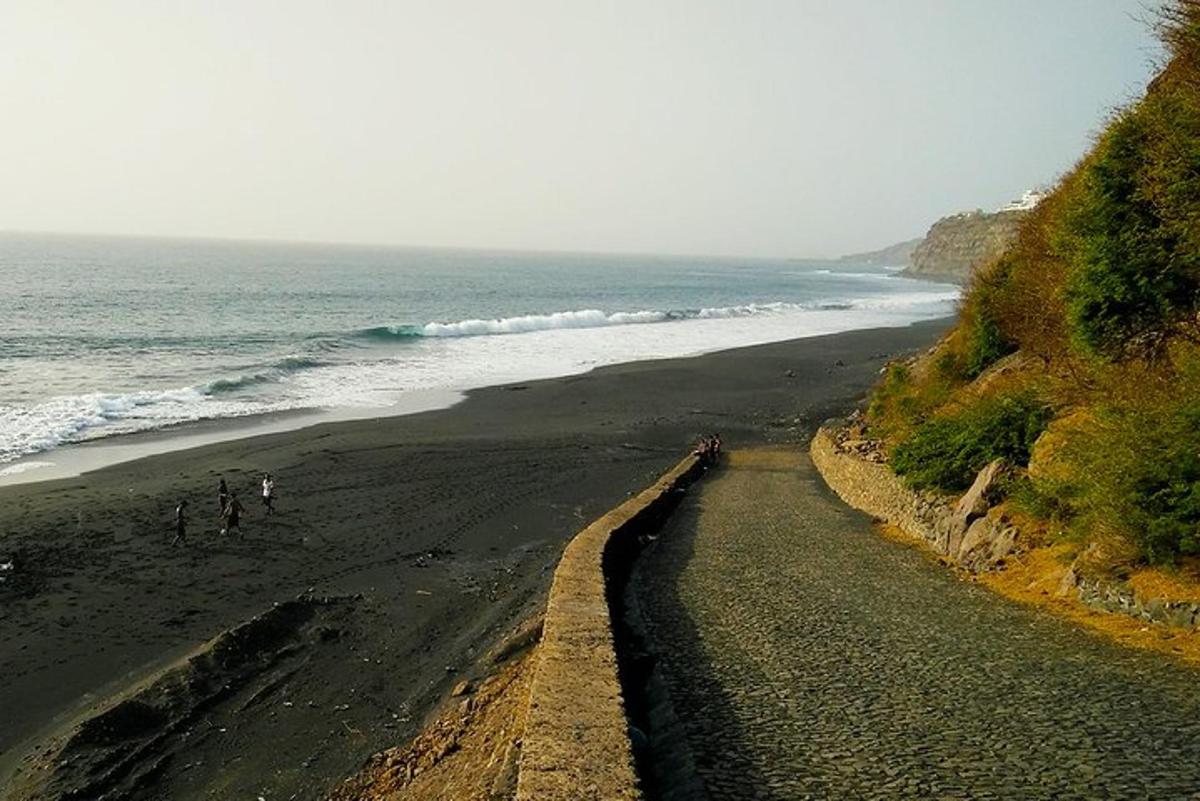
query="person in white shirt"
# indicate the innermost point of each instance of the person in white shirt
(268, 493)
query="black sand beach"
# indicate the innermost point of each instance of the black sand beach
(428, 534)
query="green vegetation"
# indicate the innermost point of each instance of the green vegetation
(902, 401)
(1099, 300)
(946, 452)
(1132, 231)
(1133, 470)
(986, 342)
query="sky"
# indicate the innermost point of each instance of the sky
(747, 127)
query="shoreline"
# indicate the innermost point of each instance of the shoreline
(442, 528)
(73, 459)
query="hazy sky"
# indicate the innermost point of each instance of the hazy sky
(770, 128)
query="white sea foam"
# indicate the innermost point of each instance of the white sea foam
(583, 318)
(40, 427)
(23, 467)
(595, 318)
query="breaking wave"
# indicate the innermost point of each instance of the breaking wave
(595, 318)
(281, 369)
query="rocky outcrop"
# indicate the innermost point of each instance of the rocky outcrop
(976, 501)
(956, 245)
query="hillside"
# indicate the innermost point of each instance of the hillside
(1077, 356)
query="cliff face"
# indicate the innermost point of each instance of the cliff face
(956, 245)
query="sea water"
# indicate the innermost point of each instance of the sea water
(107, 336)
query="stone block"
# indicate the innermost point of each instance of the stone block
(979, 498)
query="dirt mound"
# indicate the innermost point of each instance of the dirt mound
(124, 743)
(471, 750)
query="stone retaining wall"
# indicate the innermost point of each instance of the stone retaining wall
(967, 532)
(870, 487)
(984, 544)
(1109, 597)
(576, 743)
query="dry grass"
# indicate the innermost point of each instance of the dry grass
(1035, 578)
(468, 753)
(1178, 586)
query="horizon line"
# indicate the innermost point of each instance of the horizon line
(269, 240)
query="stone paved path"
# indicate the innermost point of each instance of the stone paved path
(810, 658)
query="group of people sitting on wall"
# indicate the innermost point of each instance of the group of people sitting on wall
(708, 449)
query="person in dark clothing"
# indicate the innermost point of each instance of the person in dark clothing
(232, 516)
(222, 495)
(180, 523)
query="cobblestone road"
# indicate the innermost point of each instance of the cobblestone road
(810, 658)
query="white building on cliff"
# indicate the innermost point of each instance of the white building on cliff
(1027, 201)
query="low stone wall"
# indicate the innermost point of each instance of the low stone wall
(870, 487)
(1108, 597)
(576, 743)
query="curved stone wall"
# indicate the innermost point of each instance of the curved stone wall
(876, 490)
(576, 743)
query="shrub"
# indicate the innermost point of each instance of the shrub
(908, 396)
(985, 342)
(1140, 477)
(986, 345)
(1030, 311)
(947, 452)
(1043, 500)
(1130, 232)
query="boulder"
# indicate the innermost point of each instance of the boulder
(1004, 544)
(979, 498)
(1070, 581)
(987, 542)
(977, 536)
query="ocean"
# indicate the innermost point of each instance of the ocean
(108, 336)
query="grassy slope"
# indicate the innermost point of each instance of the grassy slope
(1077, 356)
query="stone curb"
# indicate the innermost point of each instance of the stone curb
(576, 744)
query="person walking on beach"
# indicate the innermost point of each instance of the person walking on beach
(180, 523)
(268, 492)
(222, 496)
(232, 516)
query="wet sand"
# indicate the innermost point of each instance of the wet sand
(432, 533)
